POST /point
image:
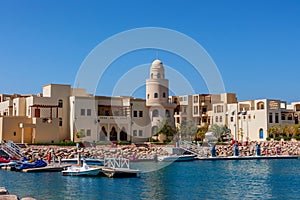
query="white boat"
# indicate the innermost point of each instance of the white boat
(85, 170)
(176, 158)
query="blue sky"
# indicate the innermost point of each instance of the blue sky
(255, 44)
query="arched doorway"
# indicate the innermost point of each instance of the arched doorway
(261, 133)
(123, 135)
(103, 134)
(113, 134)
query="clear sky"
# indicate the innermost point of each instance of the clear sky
(255, 44)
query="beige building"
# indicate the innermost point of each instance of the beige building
(63, 113)
(36, 118)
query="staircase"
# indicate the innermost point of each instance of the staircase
(11, 149)
(195, 149)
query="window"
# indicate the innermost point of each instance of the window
(276, 118)
(135, 113)
(204, 110)
(231, 119)
(221, 119)
(148, 96)
(82, 112)
(88, 112)
(15, 133)
(60, 103)
(155, 113)
(184, 109)
(135, 133)
(88, 132)
(158, 75)
(195, 99)
(164, 95)
(155, 95)
(270, 118)
(106, 113)
(140, 113)
(60, 122)
(260, 105)
(140, 133)
(195, 110)
(151, 75)
(217, 119)
(290, 117)
(167, 113)
(282, 116)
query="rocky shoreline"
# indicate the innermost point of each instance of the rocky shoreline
(149, 151)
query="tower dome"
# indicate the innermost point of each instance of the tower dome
(157, 70)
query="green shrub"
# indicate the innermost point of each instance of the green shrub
(268, 138)
(287, 138)
(297, 137)
(277, 138)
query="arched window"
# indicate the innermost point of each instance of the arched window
(60, 103)
(148, 96)
(260, 105)
(155, 95)
(261, 133)
(151, 75)
(164, 95)
(155, 113)
(158, 75)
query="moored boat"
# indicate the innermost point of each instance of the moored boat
(83, 170)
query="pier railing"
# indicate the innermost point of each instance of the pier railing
(11, 149)
(116, 163)
(200, 151)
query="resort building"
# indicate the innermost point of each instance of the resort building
(63, 113)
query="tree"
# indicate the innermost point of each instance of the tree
(80, 134)
(275, 131)
(187, 129)
(218, 130)
(166, 129)
(290, 130)
(201, 133)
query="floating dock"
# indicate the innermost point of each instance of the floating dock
(248, 157)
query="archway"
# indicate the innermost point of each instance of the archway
(113, 134)
(103, 134)
(123, 135)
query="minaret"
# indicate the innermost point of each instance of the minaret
(157, 95)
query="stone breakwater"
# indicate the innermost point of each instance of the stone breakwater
(270, 148)
(100, 152)
(143, 152)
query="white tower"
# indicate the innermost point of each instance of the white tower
(157, 95)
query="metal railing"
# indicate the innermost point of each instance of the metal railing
(11, 149)
(116, 163)
(200, 151)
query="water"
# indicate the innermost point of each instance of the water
(237, 179)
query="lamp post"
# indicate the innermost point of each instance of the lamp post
(130, 135)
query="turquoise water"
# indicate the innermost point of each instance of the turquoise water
(237, 179)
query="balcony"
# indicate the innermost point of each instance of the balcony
(113, 119)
